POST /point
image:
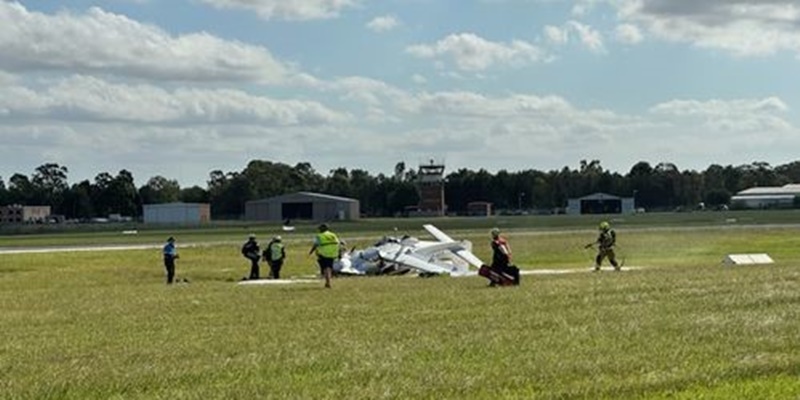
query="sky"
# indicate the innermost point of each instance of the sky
(180, 88)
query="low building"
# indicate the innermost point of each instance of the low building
(303, 206)
(767, 197)
(19, 214)
(479, 209)
(177, 213)
(601, 203)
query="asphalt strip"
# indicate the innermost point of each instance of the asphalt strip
(68, 249)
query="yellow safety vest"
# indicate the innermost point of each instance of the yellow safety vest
(276, 251)
(328, 245)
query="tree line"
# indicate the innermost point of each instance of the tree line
(662, 186)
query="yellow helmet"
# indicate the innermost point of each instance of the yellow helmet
(604, 226)
(495, 232)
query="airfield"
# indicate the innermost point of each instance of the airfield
(86, 314)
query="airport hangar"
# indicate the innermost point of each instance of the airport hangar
(600, 203)
(303, 206)
(767, 197)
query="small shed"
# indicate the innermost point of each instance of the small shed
(479, 209)
(176, 213)
(600, 203)
(303, 206)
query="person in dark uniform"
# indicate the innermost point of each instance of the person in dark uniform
(606, 241)
(252, 252)
(274, 255)
(170, 255)
(501, 257)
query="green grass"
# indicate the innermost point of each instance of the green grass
(99, 325)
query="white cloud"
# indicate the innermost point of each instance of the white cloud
(288, 9)
(419, 79)
(88, 99)
(591, 38)
(739, 27)
(365, 90)
(556, 35)
(749, 115)
(582, 8)
(6, 78)
(184, 153)
(103, 42)
(124, 126)
(628, 34)
(721, 108)
(498, 129)
(383, 24)
(471, 52)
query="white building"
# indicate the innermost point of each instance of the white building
(177, 213)
(767, 197)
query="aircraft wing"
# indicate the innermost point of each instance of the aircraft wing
(419, 264)
(460, 251)
(438, 234)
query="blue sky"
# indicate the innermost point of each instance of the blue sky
(179, 88)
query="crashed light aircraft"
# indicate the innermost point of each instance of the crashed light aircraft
(392, 255)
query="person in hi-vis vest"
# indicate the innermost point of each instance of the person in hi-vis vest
(274, 255)
(328, 249)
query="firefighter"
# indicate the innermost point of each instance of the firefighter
(606, 240)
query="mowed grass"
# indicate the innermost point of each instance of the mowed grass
(98, 325)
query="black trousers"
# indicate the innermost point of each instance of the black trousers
(169, 265)
(255, 272)
(275, 268)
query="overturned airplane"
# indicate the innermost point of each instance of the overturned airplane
(394, 256)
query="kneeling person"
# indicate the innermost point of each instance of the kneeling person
(501, 272)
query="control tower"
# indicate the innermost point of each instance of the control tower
(430, 185)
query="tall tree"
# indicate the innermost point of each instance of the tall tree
(758, 173)
(789, 172)
(363, 188)
(228, 194)
(666, 182)
(3, 193)
(304, 178)
(101, 194)
(338, 182)
(78, 201)
(50, 183)
(21, 191)
(641, 180)
(160, 190)
(125, 196)
(115, 195)
(194, 194)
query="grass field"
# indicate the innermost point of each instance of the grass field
(99, 325)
